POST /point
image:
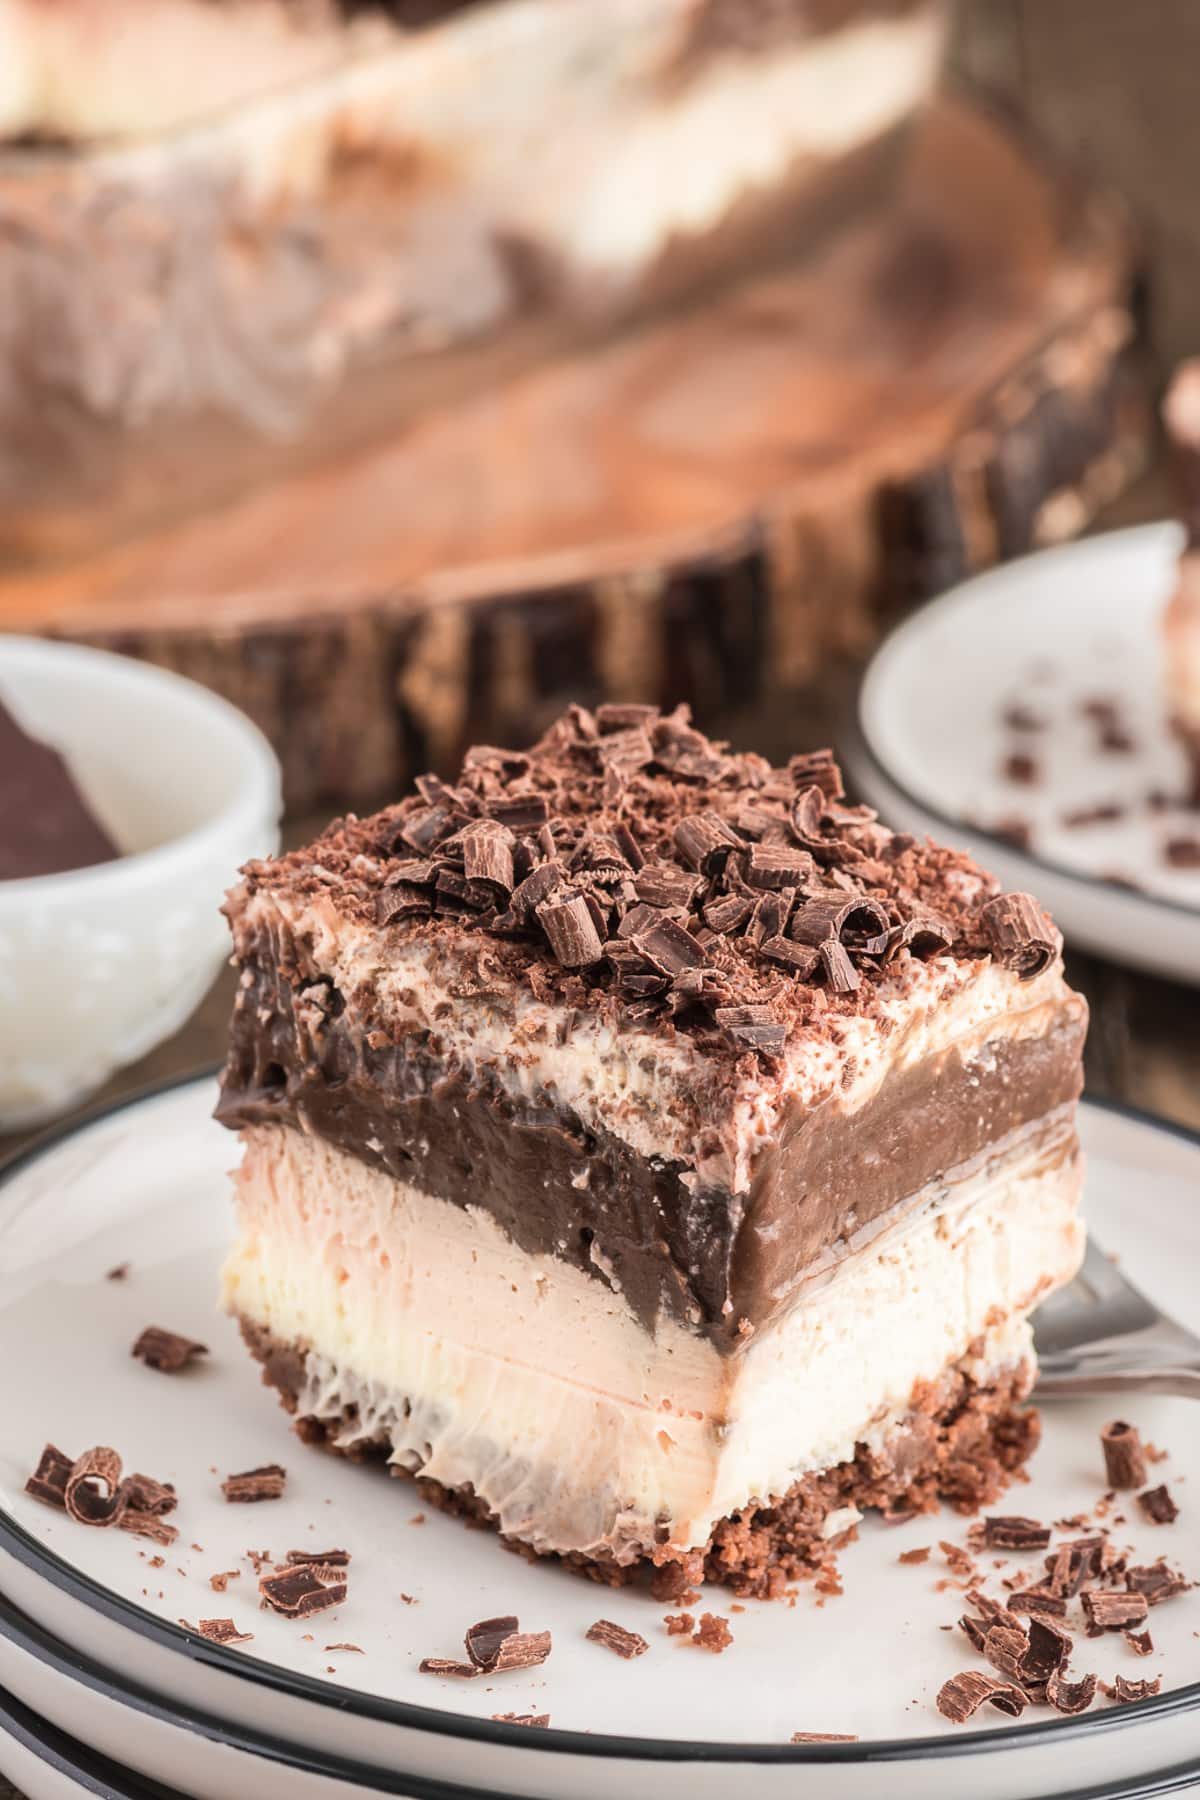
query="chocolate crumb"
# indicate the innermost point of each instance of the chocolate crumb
(446, 1665)
(962, 1696)
(1103, 813)
(1023, 718)
(615, 1637)
(223, 1631)
(167, 1351)
(1140, 1642)
(1070, 1697)
(1020, 767)
(679, 1624)
(299, 1592)
(713, 1633)
(1015, 831)
(823, 1737)
(1182, 852)
(1124, 1463)
(1158, 1505)
(919, 1555)
(119, 1272)
(221, 1580)
(253, 1485)
(357, 1649)
(540, 1720)
(1123, 1692)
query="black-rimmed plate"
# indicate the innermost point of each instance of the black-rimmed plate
(1023, 716)
(145, 1184)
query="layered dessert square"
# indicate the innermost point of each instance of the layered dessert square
(651, 1153)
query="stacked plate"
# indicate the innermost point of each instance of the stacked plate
(98, 1638)
(1022, 716)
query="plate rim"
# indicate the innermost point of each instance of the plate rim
(35, 1641)
(87, 1591)
(946, 821)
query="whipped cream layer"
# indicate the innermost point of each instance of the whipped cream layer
(581, 1430)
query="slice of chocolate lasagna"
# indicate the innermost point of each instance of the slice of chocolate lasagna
(650, 1152)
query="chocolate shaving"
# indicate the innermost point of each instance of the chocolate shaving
(668, 947)
(818, 769)
(1124, 1462)
(1106, 1611)
(1123, 1692)
(1021, 935)
(1013, 1533)
(627, 1644)
(487, 848)
(1155, 1581)
(1037, 1600)
(92, 1494)
(962, 1696)
(253, 1485)
(823, 1737)
(223, 1631)
(569, 926)
(325, 1559)
(1048, 1650)
(520, 812)
(522, 1650)
(541, 1720)
(840, 972)
(1182, 852)
(658, 884)
(801, 959)
(446, 1665)
(922, 937)
(167, 1351)
(48, 1483)
(1158, 1506)
(1018, 766)
(1074, 1563)
(299, 1592)
(144, 1494)
(728, 913)
(753, 1026)
(1140, 1642)
(537, 887)
(704, 841)
(1005, 1648)
(1070, 1697)
(483, 1641)
(147, 1525)
(777, 866)
(622, 715)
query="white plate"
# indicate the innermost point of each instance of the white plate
(1050, 632)
(146, 1183)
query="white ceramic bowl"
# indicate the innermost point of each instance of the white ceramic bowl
(99, 965)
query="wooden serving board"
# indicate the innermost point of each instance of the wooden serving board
(725, 504)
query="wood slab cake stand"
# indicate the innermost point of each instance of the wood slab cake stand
(723, 506)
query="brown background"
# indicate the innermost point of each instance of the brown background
(1114, 86)
(1111, 85)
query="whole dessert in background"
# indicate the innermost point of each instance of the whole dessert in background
(46, 825)
(650, 1152)
(1181, 414)
(304, 225)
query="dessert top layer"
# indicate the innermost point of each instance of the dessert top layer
(639, 875)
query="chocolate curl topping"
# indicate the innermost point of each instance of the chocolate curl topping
(818, 769)
(1124, 1463)
(1021, 935)
(488, 854)
(704, 841)
(571, 930)
(860, 924)
(92, 1492)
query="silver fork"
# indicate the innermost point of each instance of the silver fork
(1101, 1335)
